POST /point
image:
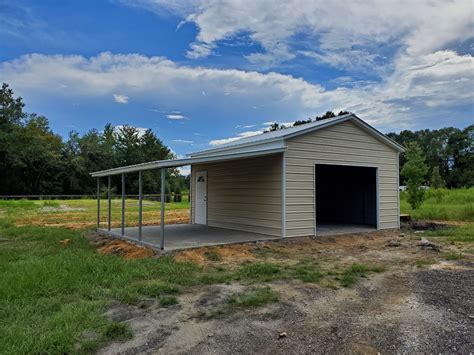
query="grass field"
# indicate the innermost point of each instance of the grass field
(53, 296)
(83, 213)
(443, 204)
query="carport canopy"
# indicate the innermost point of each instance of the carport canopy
(162, 165)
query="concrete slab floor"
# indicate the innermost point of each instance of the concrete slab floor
(323, 229)
(184, 236)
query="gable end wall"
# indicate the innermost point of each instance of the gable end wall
(340, 144)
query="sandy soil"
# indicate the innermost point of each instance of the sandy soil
(406, 309)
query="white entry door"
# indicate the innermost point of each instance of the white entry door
(201, 198)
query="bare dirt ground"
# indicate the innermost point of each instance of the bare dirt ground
(412, 307)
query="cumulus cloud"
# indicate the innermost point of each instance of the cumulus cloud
(120, 99)
(344, 34)
(443, 79)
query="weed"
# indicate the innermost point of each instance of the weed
(168, 300)
(453, 256)
(259, 271)
(117, 330)
(307, 273)
(454, 205)
(424, 262)
(464, 233)
(350, 275)
(254, 298)
(213, 255)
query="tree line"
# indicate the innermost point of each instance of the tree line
(35, 160)
(447, 152)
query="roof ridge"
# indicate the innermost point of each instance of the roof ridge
(280, 133)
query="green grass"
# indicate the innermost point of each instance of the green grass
(255, 297)
(453, 256)
(117, 330)
(168, 300)
(250, 298)
(424, 262)
(259, 271)
(463, 233)
(443, 204)
(213, 255)
(51, 294)
(83, 212)
(307, 273)
(349, 276)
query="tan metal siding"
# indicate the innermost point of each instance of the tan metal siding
(243, 194)
(344, 144)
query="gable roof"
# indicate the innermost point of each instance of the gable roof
(263, 140)
(258, 145)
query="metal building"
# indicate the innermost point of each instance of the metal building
(325, 177)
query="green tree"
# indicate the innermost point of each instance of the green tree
(414, 170)
(437, 181)
(177, 194)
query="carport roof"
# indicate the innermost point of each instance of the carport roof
(172, 163)
(258, 145)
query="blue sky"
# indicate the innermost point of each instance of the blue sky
(200, 73)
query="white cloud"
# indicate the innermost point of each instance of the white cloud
(175, 116)
(184, 170)
(443, 79)
(121, 99)
(182, 141)
(231, 139)
(345, 34)
(140, 130)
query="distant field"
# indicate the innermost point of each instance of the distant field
(83, 213)
(443, 204)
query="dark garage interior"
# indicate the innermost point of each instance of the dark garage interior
(346, 196)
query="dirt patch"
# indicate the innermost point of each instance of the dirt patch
(61, 208)
(229, 254)
(78, 220)
(410, 308)
(125, 250)
(418, 225)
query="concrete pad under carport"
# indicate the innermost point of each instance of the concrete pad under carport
(187, 236)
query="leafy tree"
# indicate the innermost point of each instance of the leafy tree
(177, 194)
(451, 149)
(437, 181)
(167, 192)
(414, 171)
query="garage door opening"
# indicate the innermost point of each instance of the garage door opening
(346, 199)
